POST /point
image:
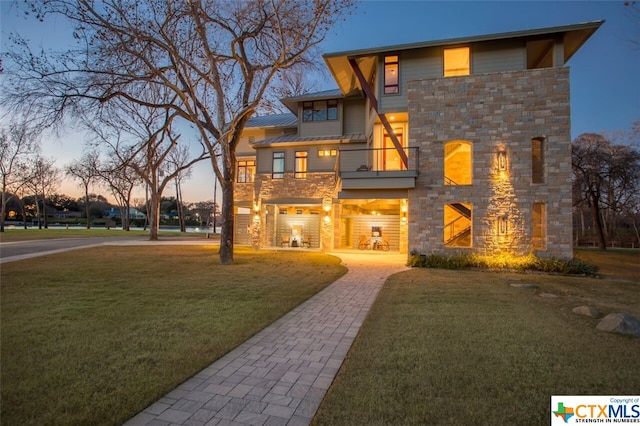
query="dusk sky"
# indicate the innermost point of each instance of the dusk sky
(605, 72)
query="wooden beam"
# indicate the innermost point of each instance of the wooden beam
(383, 118)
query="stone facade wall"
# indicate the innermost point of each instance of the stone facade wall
(494, 111)
(243, 192)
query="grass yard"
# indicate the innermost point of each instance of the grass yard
(464, 347)
(12, 235)
(91, 337)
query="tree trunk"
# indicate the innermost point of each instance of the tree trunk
(86, 206)
(4, 209)
(38, 210)
(126, 219)
(597, 222)
(154, 215)
(226, 231)
(183, 227)
(44, 212)
(24, 213)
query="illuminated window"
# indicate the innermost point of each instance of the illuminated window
(278, 165)
(389, 158)
(537, 160)
(457, 224)
(246, 171)
(456, 62)
(391, 75)
(458, 162)
(539, 226)
(327, 152)
(301, 165)
(320, 110)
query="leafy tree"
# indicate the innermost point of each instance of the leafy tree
(217, 57)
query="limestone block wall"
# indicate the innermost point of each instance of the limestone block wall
(243, 192)
(494, 111)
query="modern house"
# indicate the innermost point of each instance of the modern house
(433, 147)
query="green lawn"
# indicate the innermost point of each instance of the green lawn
(12, 235)
(465, 347)
(94, 336)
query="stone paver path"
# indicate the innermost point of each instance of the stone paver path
(280, 376)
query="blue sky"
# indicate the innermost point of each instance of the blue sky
(605, 82)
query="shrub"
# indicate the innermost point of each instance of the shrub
(504, 261)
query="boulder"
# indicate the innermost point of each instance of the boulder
(588, 311)
(620, 323)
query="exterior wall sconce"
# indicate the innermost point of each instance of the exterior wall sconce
(256, 218)
(327, 212)
(502, 225)
(404, 219)
(502, 160)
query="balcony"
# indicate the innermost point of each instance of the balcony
(380, 168)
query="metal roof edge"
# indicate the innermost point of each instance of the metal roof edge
(468, 39)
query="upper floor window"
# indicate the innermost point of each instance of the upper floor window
(456, 61)
(537, 160)
(391, 75)
(458, 163)
(301, 165)
(320, 110)
(246, 171)
(278, 165)
(327, 152)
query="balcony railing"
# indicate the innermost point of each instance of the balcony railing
(378, 161)
(377, 168)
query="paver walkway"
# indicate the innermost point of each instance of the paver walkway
(280, 375)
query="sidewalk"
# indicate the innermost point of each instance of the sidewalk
(280, 375)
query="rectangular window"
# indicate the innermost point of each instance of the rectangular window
(278, 165)
(246, 171)
(456, 62)
(301, 165)
(391, 75)
(539, 231)
(320, 110)
(327, 152)
(537, 160)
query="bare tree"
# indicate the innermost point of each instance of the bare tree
(17, 145)
(606, 178)
(121, 180)
(85, 170)
(142, 140)
(43, 178)
(217, 56)
(177, 159)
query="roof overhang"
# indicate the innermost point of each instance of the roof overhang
(573, 36)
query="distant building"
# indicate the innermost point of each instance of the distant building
(114, 213)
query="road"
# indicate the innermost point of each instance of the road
(20, 250)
